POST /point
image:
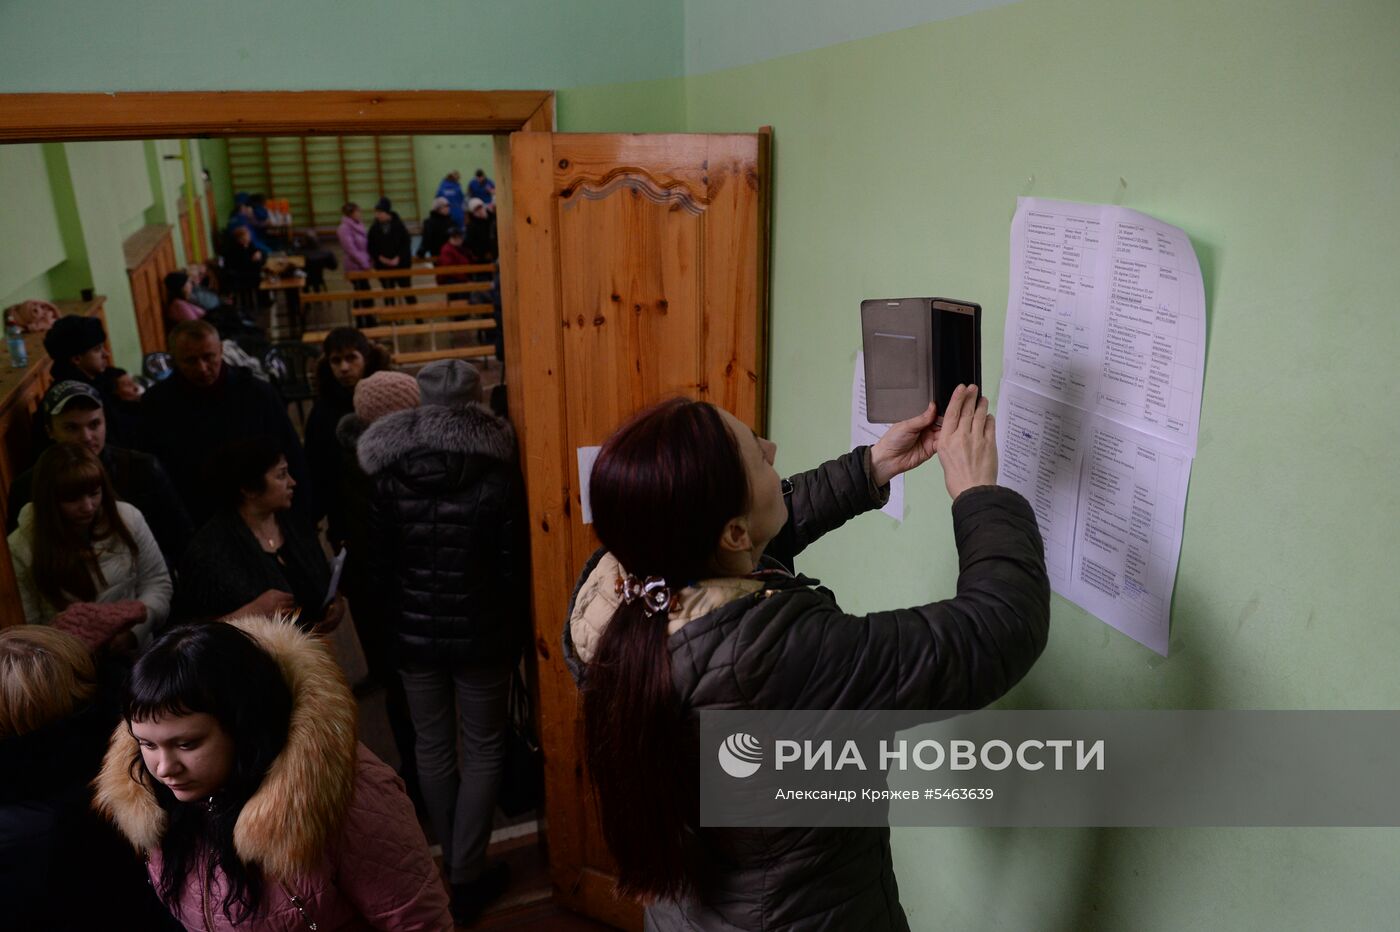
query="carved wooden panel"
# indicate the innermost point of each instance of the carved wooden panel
(641, 266)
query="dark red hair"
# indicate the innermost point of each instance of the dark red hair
(662, 490)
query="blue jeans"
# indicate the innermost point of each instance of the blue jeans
(441, 700)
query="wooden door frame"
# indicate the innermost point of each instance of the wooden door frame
(36, 118)
(30, 118)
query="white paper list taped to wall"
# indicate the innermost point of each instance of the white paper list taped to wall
(1099, 406)
(864, 433)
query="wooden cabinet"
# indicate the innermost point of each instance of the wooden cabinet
(21, 390)
(150, 256)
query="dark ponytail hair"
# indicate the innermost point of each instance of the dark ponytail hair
(662, 490)
(217, 669)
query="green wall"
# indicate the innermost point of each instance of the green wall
(112, 189)
(435, 156)
(168, 45)
(1269, 132)
(68, 209)
(28, 225)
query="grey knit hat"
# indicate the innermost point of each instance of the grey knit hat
(452, 383)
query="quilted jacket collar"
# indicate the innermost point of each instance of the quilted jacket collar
(472, 430)
(284, 827)
(596, 599)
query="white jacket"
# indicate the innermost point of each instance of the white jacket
(140, 576)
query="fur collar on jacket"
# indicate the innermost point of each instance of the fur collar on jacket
(284, 827)
(349, 430)
(472, 430)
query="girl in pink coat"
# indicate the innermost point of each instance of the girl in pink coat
(237, 772)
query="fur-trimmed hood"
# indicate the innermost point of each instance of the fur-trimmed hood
(285, 825)
(469, 431)
(348, 431)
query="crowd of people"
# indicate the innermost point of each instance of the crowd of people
(177, 584)
(191, 566)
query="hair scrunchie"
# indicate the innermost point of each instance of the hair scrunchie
(653, 591)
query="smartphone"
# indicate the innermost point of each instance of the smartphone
(957, 347)
(918, 350)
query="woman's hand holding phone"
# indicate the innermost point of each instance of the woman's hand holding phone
(906, 445)
(967, 442)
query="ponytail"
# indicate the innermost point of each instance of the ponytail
(662, 490)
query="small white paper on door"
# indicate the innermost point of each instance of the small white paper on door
(586, 458)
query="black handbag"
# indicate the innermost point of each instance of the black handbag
(522, 781)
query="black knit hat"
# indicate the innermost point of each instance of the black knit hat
(384, 205)
(72, 336)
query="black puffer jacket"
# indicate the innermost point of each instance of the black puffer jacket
(448, 519)
(784, 643)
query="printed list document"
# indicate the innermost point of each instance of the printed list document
(864, 433)
(1100, 401)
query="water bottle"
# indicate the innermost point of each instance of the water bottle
(14, 342)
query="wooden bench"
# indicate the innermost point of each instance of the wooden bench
(381, 332)
(379, 294)
(408, 320)
(370, 275)
(460, 352)
(429, 311)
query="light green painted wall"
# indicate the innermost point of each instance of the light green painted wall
(435, 156)
(166, 171)
(28, 224)
(730, 33)
(213, 154)
(638, 107)
(169, 45)
(1267, 131)
(112, 190)
(73, 274)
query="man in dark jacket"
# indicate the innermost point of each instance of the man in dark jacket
(436, 227)
(77, 346)
(205, 404)
(448, 517)
(390, 246)
(72, 412)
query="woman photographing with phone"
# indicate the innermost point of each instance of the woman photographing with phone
(686, 608)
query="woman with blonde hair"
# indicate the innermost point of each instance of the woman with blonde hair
(57, 708)
(80, 556)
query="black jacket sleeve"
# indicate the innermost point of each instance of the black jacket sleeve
(823, 499)
(382, 569)
(170, 522)
(799, 650)
(515, 554)
(323, 461)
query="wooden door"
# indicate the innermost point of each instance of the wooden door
(640, 273)
(150, 257)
